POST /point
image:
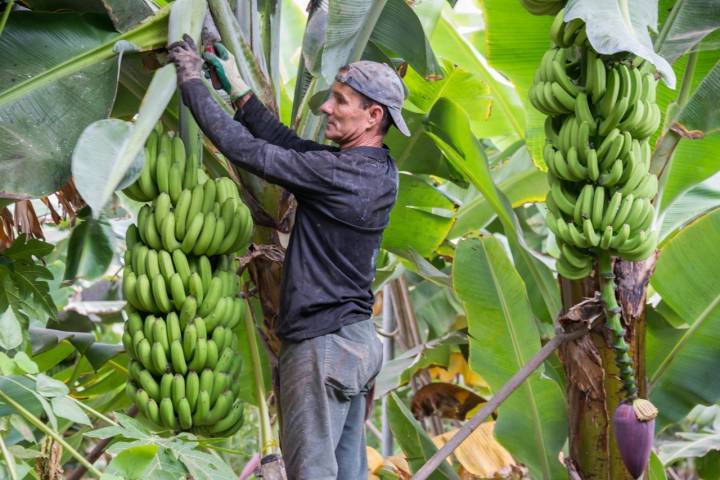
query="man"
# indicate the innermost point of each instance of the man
(330, 353)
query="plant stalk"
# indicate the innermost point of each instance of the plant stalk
(9, 460)
(6, 15)
(614, 324)
(49, 431)
(267, 443)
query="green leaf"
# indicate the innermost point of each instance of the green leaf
(508, 113)
(691, 204)
(448, 126)
(409, 41)
(518, 58)
(413, 439)
(700, 115)
(621, 26)
(27, 277)
(656, 470)
(49, 387)
(66, 407)
(22, 393)
(90, 249)
(464, 88)
(25, 249)
(10, 329)
(693, 160)
(203, 466)
(396, 372)
(97, 353)
(418, 220)
(503, 338)
(125, 143)
(692, 20)
(689, 445)
(524, 183)
(349, 27)
(74, 80)
(25, 363)
(132, 463)
(684, 362)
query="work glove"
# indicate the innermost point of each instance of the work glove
(186, 59)
(222, 64)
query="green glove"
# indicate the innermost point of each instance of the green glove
(224, 65)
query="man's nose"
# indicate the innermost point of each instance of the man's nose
(325, 108)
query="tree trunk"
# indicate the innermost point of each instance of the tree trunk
(593, 387)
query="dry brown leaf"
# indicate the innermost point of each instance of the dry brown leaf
(26, 220)
(584, 366)
(56, 218)
(480, 454)
(399, 465)
(444, 399)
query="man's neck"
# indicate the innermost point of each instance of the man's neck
(363, 141)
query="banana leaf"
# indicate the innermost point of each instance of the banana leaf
(108, 149)
(682, 362)
(48, 98)
(614, 27)
(448, 126)
(688, 23)
(503, 337)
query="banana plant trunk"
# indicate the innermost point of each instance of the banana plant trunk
(593, 387)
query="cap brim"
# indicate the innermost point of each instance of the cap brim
(399, 121)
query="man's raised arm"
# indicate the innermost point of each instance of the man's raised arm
(250, 110)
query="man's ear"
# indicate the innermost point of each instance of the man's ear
(376, 114)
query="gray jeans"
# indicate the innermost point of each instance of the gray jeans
(323, 382)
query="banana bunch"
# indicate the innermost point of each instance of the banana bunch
(543, 7)
(601, 114)
(181, 289)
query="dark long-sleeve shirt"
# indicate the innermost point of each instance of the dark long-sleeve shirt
(344, 200)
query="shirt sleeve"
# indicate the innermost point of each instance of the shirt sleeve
(300, 172)
(263, 124)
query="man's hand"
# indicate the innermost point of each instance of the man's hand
(227, 71)
(186, 59)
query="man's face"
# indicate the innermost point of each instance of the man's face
(347, 120)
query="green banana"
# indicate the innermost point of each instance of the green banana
(189, 309)
(182, 267)
(175, 182)
(209, 191)
(162, 206)
(159, 292)
(181, 210)
(168, 234)
(167, 413)
(192, 389)
(193, 232)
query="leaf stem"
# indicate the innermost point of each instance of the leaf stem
(669, 21)
(668, 142)
(48, 431)
(6, 14)
(9, 460)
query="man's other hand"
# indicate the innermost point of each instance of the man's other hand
(224, 65)
(186, 59)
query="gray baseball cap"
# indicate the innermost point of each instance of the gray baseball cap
(380, 83)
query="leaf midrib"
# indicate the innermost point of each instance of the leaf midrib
(520, 362)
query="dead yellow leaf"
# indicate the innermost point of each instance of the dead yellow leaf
(480, 454)
(375, 460)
